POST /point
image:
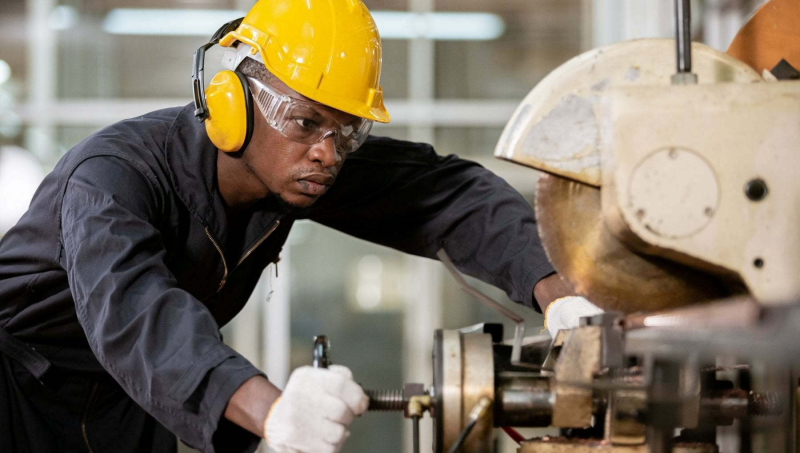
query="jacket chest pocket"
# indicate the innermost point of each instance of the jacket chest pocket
(195, 264)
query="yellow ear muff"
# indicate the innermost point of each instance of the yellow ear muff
(230, 111)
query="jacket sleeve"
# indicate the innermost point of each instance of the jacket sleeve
(157, 341)
(403, 195)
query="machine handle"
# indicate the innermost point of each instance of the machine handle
(321, 346)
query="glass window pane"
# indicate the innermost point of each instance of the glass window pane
(95, 64)
(467, 142)
(539, 36)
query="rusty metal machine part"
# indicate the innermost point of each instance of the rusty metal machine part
(599, 266)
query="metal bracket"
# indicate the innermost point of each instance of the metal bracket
(519, 331)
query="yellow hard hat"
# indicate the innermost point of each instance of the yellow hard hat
(326, 50)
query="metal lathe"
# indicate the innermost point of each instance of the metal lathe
(670, 198)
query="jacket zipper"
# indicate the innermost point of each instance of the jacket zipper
(263, 238)
(224, 263)
(244, 257)
(86, 415)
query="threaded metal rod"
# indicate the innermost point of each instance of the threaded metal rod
(765, 403)
(386, 400)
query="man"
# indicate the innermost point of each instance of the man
(151, 234)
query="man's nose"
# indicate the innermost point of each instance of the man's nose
(325, 153)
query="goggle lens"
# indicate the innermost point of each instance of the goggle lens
(299, 121)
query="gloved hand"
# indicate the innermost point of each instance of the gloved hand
(315, 410)
(566, 312)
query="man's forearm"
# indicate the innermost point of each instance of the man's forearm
(549, 289)
(250, 404)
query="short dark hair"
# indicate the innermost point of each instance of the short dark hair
(252, 68)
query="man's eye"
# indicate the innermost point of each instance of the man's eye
(306, 123)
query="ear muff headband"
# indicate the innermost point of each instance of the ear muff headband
(248, 102)
(232, 127)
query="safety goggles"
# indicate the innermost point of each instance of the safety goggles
(305, 122)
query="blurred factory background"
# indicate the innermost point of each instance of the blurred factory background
(453, 72)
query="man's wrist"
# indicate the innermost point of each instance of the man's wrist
(250, 405)
(269, 413)
(550, 289)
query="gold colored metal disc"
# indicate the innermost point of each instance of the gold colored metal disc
(599, 266)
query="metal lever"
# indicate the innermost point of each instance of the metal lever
(519, 331)
(321, 346)
(475, 414)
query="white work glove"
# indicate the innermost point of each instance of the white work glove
(314, 411)
(566, 313)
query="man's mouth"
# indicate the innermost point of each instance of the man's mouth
(316, 183)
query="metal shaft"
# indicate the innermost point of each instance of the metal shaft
(415, 424)
(683, 35)
(659, 439)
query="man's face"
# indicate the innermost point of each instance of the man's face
(297, 173)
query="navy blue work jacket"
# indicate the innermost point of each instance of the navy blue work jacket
(125, 264)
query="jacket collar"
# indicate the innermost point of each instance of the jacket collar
(192, 166)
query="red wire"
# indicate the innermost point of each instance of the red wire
(514, 434)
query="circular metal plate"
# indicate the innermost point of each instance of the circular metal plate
(478, 383)
(451, 391)
(599, 266)
(674, 192)
(437, 405)
(463, 373)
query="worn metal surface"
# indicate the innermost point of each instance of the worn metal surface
(556, 128)
(463, 374)
(623, 424)
(555, 350)
(683, 157)
(734, 312)
(772, 342)
(450, 391)
(612, 338)
(599, 266)
(477, 384)
(523, 399)
(578, 362)
(562, 445)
